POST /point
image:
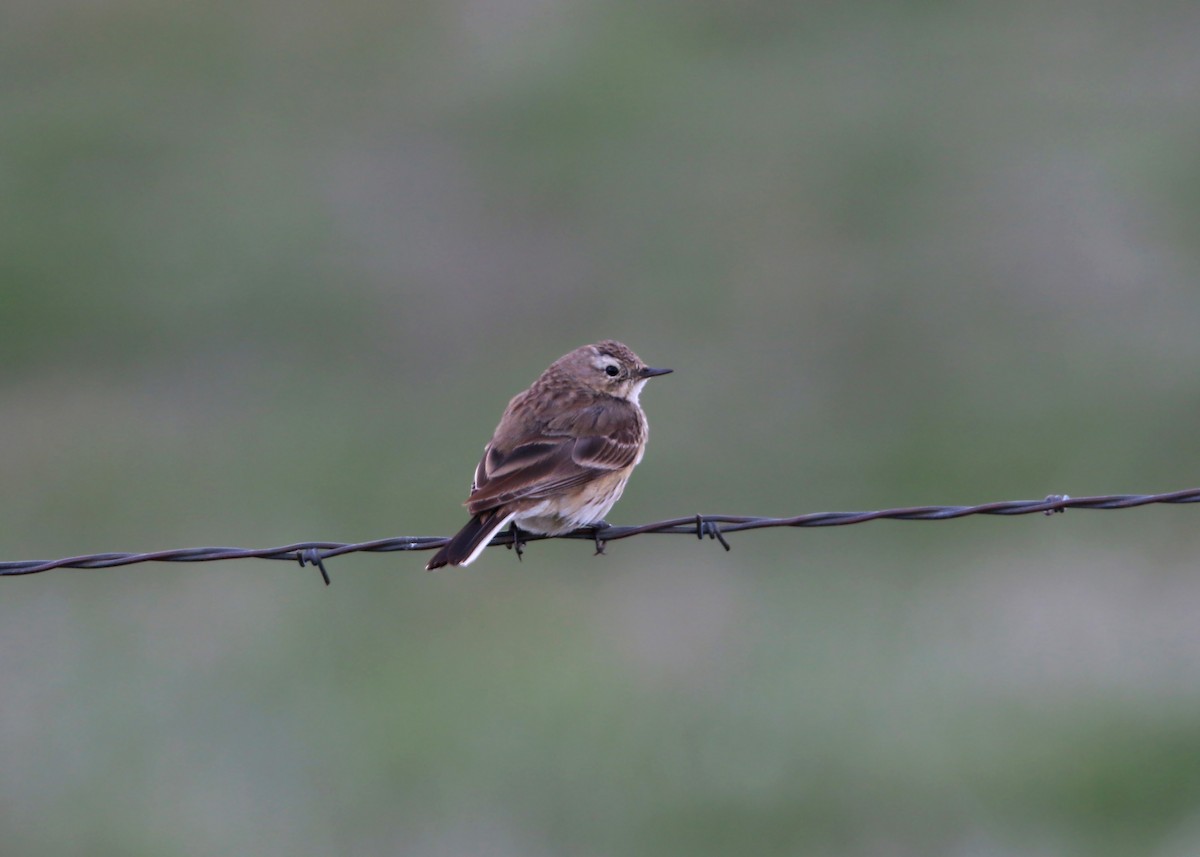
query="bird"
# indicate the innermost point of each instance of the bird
(562, 452)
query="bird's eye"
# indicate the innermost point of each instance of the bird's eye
(612, 371)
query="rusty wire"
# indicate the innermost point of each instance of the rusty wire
(714, 526)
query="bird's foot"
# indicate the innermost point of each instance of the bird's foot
(597, 529)
(517, 544)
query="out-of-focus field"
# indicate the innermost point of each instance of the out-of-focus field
(270, 271)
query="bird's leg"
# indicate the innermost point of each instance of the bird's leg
(598, 528)
(518, 543)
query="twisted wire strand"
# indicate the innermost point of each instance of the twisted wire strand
(714, 526)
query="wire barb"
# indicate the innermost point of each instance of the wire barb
(712, 529)
(1056, 498)
(312, 556)
(714, 526)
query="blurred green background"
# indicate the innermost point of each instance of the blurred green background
(269, 272)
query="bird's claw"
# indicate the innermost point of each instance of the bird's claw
(598, 528)
(517, 544)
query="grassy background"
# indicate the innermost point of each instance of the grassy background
(269, 272)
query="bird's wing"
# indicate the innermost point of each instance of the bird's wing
(550, 463)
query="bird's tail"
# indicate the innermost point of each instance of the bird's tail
(470, 541)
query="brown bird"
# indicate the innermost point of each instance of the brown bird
(563, 450)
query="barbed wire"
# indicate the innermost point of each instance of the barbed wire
(716, 527)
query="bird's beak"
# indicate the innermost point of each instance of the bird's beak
(648, 372)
